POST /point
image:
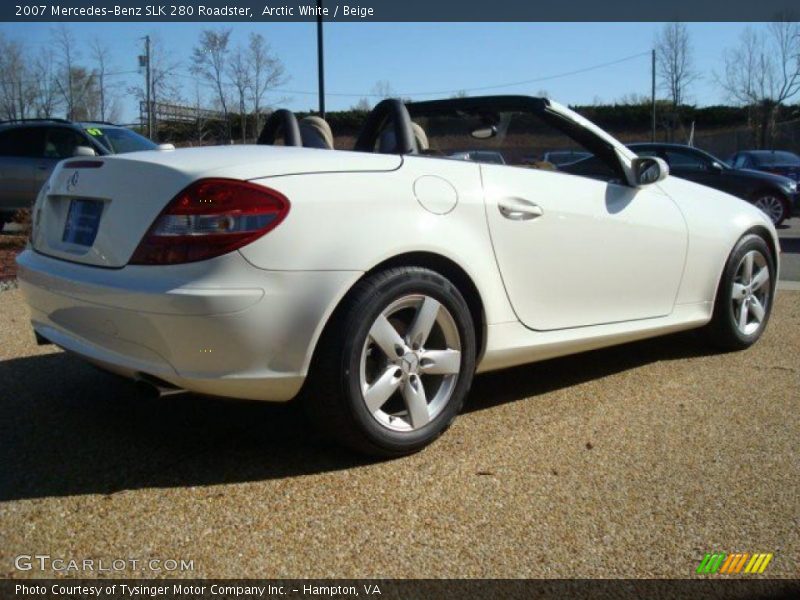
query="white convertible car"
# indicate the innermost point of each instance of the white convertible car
(373, 283)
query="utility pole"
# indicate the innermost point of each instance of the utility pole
(320, 61)
(653, 96)
(148, 84)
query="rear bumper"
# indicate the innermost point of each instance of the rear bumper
(220, 327)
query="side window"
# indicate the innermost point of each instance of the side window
(740, 162)
(686, 160)
(61, 142)
(22, 142)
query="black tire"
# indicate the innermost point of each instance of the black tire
(784, 201)
(723, 331)
(333, 397)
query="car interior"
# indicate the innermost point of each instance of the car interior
(511, 130)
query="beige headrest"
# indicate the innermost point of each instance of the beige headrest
(420, 137)
(316, 132)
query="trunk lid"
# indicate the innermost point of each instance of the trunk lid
(96, 211)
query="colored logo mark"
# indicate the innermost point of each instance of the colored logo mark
(732, 564)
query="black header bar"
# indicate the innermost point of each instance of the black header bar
(397, 11)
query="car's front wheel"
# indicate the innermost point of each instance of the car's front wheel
(773, 205)
(744, 297)
(393, 367)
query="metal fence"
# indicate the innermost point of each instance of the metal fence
(724, 143)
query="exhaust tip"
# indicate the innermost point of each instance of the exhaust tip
(41, 340)
(147, 389)
(153, 387)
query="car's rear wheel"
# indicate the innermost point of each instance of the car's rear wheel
(744, 297)
(773, 205)
(395, 364)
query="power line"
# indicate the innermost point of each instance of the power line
(444, 92)
(210, 85)
(481, 88)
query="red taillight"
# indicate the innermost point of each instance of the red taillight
(209, 218)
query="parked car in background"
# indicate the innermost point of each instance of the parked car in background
(31, 148)
(779, 162)
(774, 194)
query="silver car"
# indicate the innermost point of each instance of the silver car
(31, 148)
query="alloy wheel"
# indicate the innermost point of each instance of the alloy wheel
(772, 206)
(750, 294)
(410, 363)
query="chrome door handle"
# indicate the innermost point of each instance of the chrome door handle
(519, 209)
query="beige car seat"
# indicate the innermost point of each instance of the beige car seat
(388, 144)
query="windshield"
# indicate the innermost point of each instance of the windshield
(771, 159)
(119, 140)
(509, 137)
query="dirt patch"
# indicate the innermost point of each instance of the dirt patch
(11, 244)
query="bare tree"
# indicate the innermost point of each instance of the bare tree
(46, 97)
(383, 89)
(65, 45)
(362, 105)
(201, 131)
(86, 94)
(15, 91)
(675, 65)
(114, 110)
(633, 99)
(763, 72)
(266, 73)
(210, 58)
(240, 77)
(100, 55)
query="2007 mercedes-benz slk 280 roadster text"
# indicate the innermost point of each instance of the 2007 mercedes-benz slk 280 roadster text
(374, 283)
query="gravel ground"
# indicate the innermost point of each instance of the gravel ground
(632, 461)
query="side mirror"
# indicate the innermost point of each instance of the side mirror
(83, 151)
(166, 147)
(649, 169)
(715, 166)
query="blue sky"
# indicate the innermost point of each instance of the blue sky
(425, 57)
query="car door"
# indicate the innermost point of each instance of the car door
(700, 168)
(19, 148)
(576, 251)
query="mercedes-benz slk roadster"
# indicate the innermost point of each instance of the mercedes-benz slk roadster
(373, 283)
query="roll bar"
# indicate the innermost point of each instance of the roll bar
(282, 121)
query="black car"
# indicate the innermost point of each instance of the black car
(774, 194)
(779, 162)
